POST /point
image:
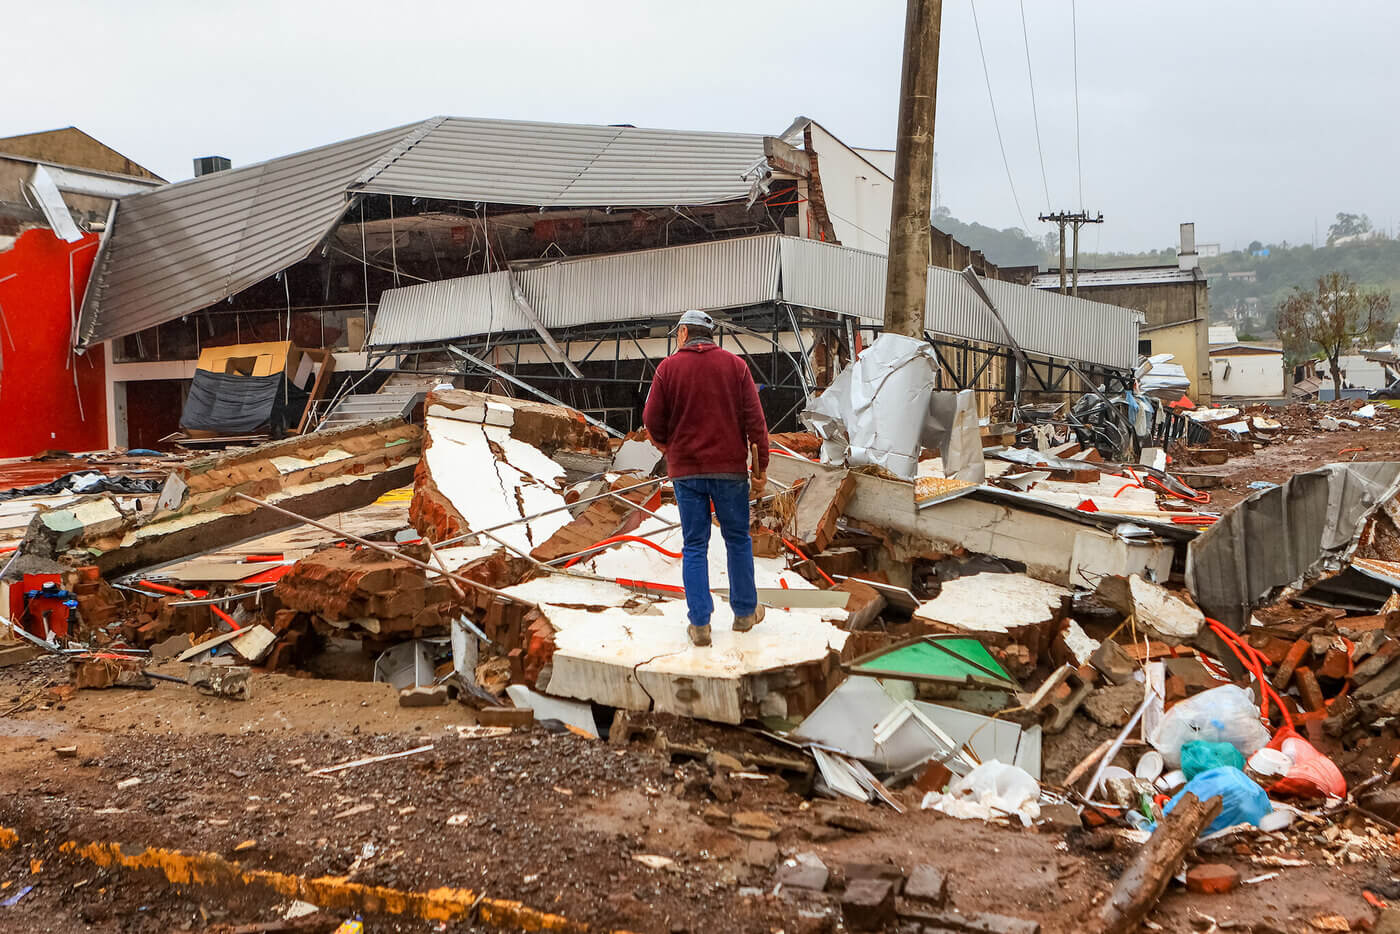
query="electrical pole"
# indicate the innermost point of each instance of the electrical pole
(906, 282)
(1078, 219)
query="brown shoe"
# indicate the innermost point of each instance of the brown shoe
(699, 635)
(745, 623)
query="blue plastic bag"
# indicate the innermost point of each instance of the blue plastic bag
(1242, 800)
(1201, 755)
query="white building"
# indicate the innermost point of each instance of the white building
(1247, 371)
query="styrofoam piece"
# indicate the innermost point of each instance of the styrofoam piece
(569, 712)
(1150, 766)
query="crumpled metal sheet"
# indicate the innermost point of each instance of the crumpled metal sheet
(1285, 537)
(876, 411)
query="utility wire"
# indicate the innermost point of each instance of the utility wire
(995, 122)
(1035, 111)
(1074, 41)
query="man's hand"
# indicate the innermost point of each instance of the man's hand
(758, 479)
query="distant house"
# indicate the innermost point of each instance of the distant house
(1247, 370)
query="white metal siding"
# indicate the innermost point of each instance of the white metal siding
(834, 278)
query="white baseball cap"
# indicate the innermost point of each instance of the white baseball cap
(697, 319)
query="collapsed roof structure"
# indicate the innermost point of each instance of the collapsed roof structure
(553, 256)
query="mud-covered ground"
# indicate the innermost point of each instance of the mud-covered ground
(552, 820)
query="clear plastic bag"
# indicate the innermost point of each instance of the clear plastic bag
(1226, 714)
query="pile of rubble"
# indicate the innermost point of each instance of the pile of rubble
(943, 632)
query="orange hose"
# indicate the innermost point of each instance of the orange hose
(1255, 665)
(225, 617)
(798, 551)
(615, 540)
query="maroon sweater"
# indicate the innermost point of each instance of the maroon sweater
(704, 409)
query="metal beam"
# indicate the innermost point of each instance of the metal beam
(524, 305)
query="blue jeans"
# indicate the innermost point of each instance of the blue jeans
(731, 502)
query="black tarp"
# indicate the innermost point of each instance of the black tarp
(85, 481)
(228, 403)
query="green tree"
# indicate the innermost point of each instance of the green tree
(1348, 225)
(1334, 317)
(1254, 247)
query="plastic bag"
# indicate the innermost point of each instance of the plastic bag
(1227, 714)
(1311, 775)
(1200, 756)
(993, 789)
(1243, 801)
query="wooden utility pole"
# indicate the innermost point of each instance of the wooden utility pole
(1078, 219)
(906, 282)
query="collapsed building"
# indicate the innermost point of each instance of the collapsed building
(550, 259)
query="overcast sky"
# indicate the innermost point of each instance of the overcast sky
(1254, 119)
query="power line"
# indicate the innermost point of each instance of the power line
(995, 122)
(1035, 112)
(1074, 41)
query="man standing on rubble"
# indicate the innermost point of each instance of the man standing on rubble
(703, 413)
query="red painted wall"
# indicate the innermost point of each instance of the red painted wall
(40, 407)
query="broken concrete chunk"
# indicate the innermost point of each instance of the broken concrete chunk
(1155, 608)
(999, 609)
(1112, 706)
(755, 824)
(231, 681)
(423, 695)
(928, 884)
(803, 871)
(868, 905)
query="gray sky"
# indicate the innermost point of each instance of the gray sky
(1254, 119)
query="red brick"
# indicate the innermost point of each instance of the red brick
(1212, 878)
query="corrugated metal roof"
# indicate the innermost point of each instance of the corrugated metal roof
(737, 273)
(556, 164)
(186, 246)
(1144, 275)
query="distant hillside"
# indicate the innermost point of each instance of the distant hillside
(1009, 247)
(1252, 305)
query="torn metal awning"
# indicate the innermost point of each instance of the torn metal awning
(1289, 535)
(744, 272)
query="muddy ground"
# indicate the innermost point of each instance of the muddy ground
(550, 819)
(1294, 452)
